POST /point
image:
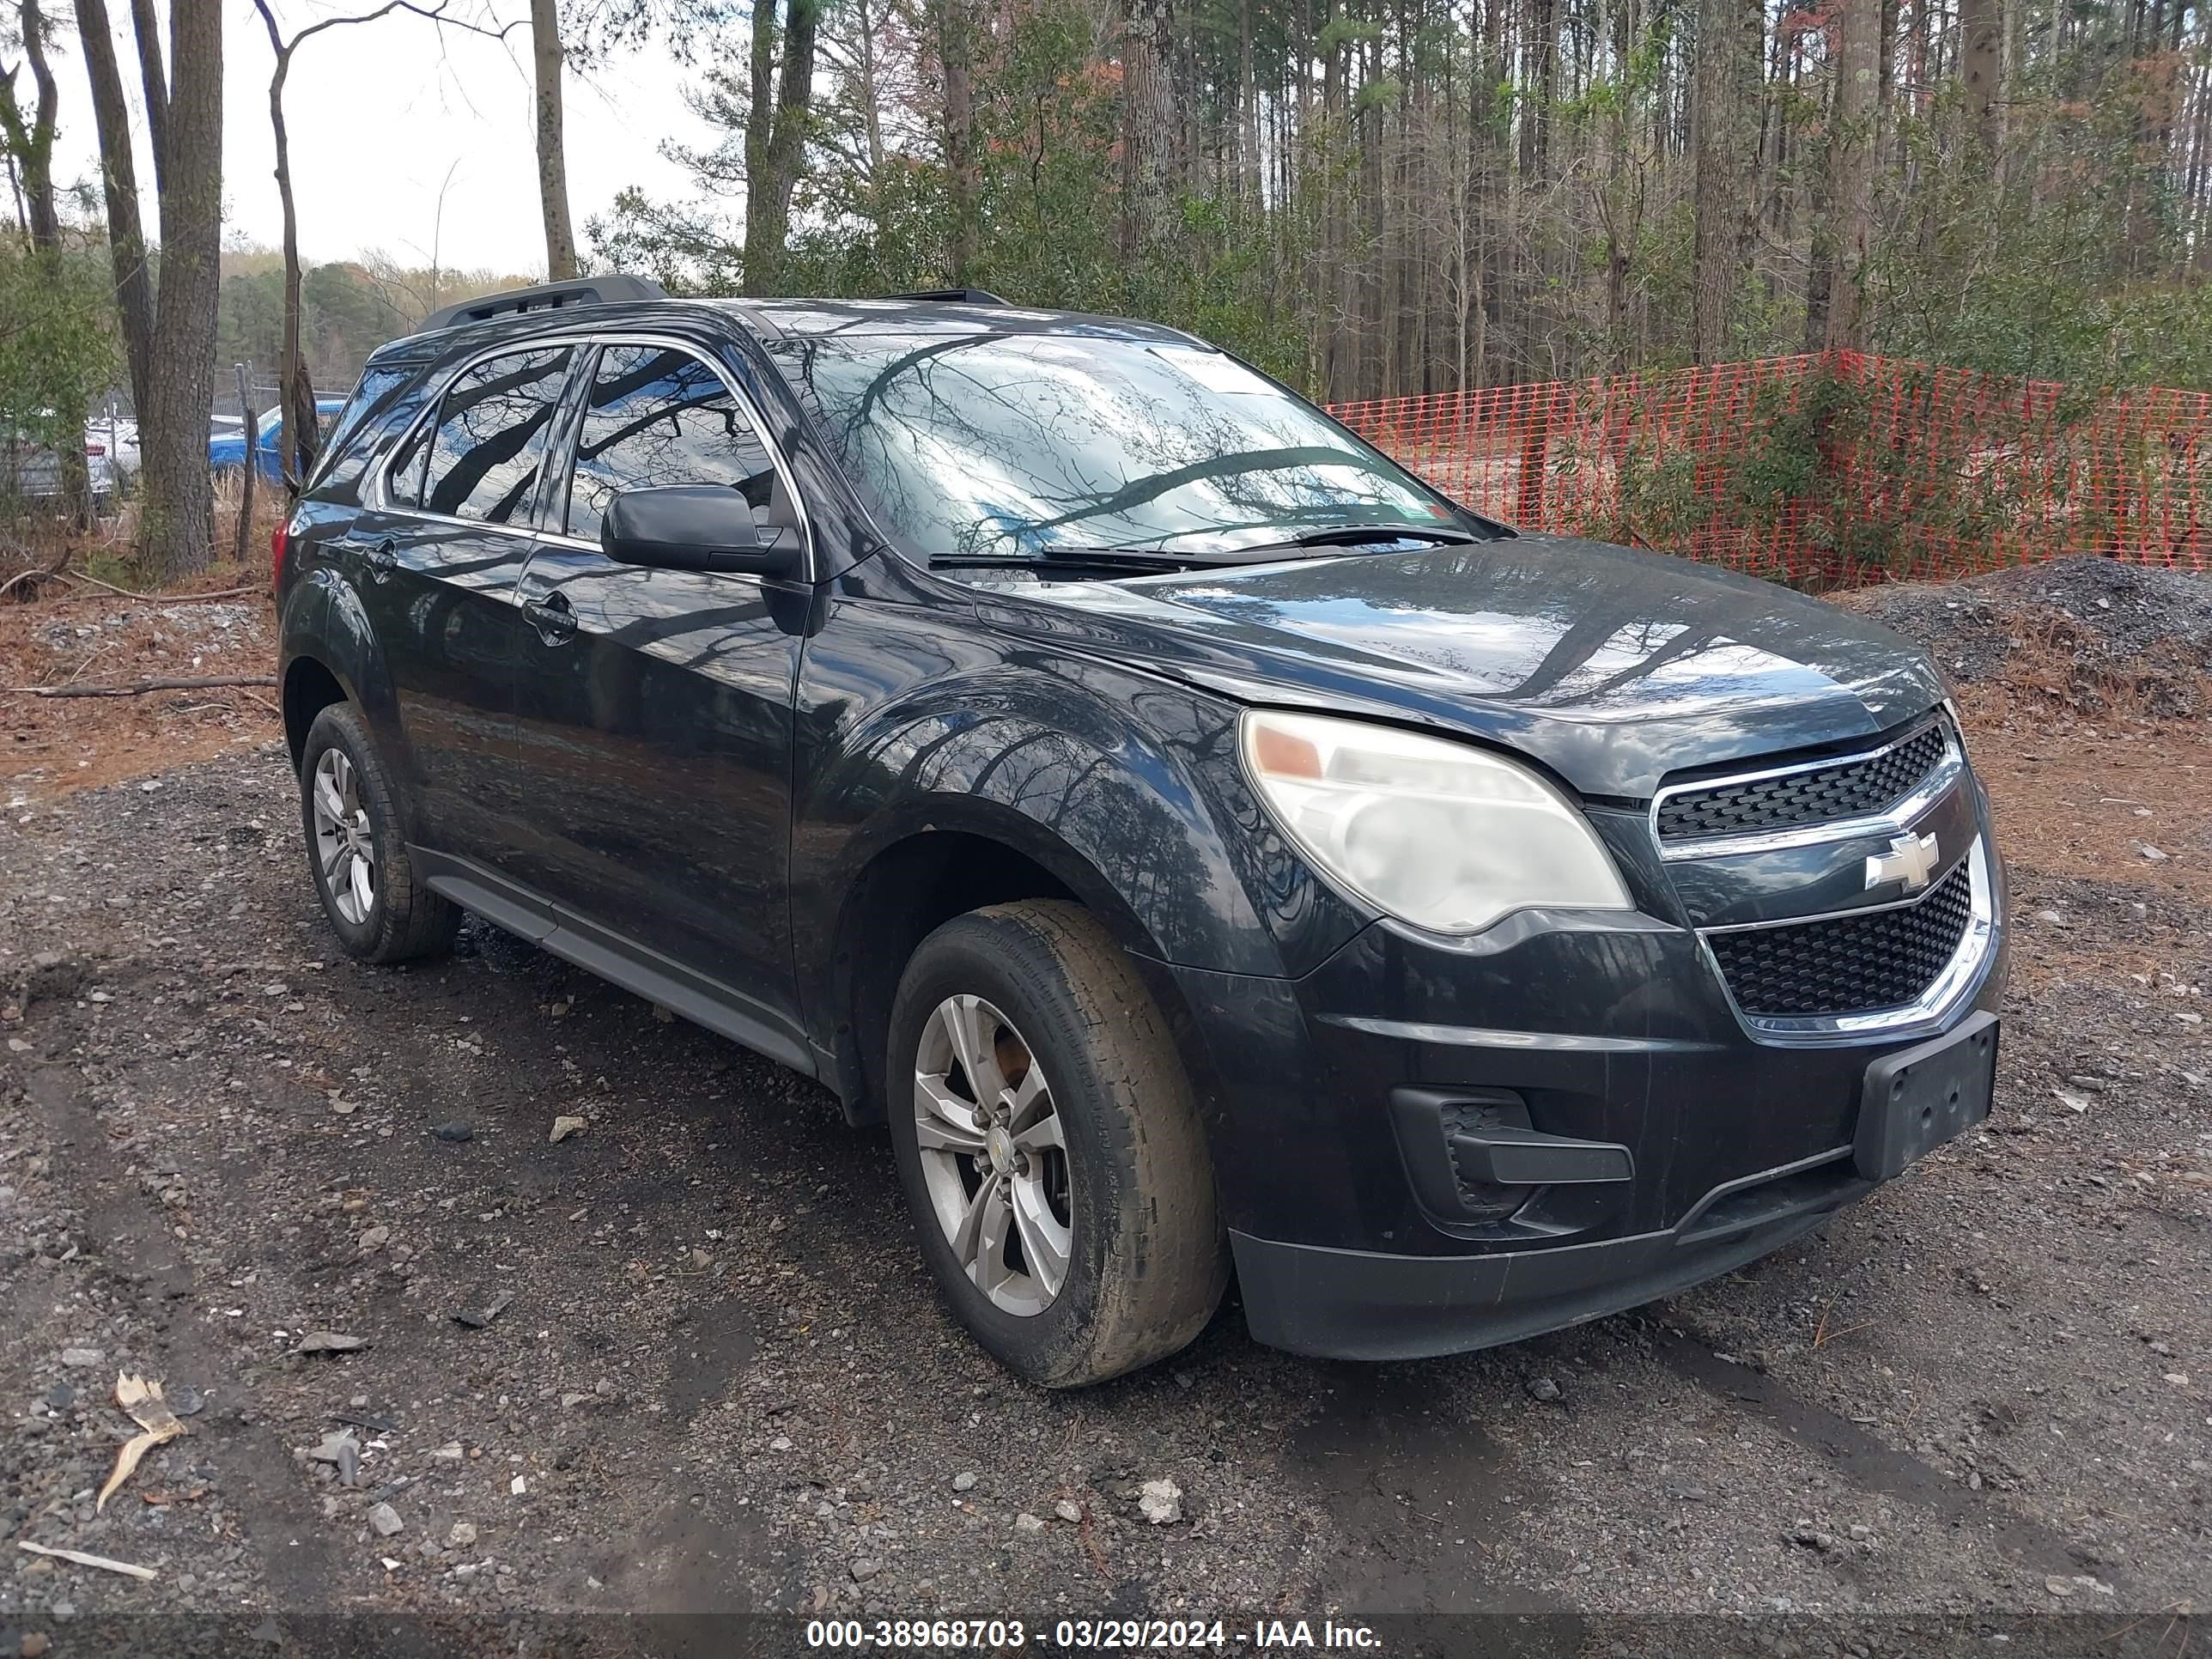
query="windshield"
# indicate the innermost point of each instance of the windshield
(1023, 446)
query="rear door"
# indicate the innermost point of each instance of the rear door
(436, 557)
(654, 710)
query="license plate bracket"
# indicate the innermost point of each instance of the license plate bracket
(1918, 1098)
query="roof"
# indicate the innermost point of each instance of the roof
(928, 316)
(623, 301)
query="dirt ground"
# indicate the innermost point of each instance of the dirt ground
(718, 1380)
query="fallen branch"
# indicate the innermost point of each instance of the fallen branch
(159, 599)
(139, 688)
(86, 1559)
(35, 574)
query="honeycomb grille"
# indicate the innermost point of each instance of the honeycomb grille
(1851, 789)
(1847, 964)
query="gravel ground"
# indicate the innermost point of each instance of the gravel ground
(718, 1378)
(2095, 631)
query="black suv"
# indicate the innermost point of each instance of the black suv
(1202, 841)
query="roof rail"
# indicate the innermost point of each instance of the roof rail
(958, 296)
(546, 296)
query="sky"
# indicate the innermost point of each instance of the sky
(377, 114)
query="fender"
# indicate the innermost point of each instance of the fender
(1116, 781)
(323, 619)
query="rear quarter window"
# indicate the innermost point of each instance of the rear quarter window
(385, 397)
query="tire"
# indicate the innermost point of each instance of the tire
(1144, 1264)
(401, 919)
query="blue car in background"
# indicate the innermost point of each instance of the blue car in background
(227, 445)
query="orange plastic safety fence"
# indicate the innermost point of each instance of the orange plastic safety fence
(1825, 469)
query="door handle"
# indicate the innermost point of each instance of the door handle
(555, 618)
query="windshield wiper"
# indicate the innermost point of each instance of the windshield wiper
(1119, 561)
(1159, 561)
(1122, 561)
(1360, 535)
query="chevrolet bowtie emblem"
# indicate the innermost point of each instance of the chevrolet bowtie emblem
(1910, 861)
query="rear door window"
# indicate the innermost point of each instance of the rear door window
(658, 416)
(485, 454)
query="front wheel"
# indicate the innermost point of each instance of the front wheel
(1049, 1146)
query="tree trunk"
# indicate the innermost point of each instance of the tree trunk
(760, 124)
(546, 57)
(1724, 125)
(247, 480)
(872, 94)
(1850, 171)
(1981, 41)
(765, 236)
(146, 30)
(1144, 124)
(956, 57)
(126, 240)
(176, 531)
(1248, 110)
(1540, 50)
(295, 390)
(31, 142)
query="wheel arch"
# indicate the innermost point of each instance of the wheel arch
(914, 883)
(309, 688)
(330, 653)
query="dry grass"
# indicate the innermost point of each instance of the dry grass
(83, 634)
(38, 550)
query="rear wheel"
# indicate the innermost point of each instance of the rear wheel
(371, 897)
(1049, 1146)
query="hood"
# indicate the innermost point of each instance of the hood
(1611, 667)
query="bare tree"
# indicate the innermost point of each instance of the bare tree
(295, 388)
(585, 32)
(119, 170)
(30, 140)
(547, 54)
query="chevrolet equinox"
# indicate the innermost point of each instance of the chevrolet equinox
(1209, 849)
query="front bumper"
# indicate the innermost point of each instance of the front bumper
(1689, 1143)
(1366, 1304)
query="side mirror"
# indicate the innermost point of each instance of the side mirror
(690, 527)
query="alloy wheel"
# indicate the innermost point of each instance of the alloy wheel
(994, 1155)
(344, 847)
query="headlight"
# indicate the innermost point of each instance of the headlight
(1445, 835)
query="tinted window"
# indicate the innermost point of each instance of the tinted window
(663, 417)
(483, 456)
(375, 406)
(375, 390)
(1003, 446)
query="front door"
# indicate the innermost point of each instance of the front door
(653, 708)
(436, 559)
